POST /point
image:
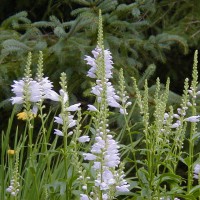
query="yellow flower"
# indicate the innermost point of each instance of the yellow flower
(24, 115)
(11, 152)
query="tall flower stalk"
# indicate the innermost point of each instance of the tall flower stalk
(67, 121)
(104, 153)
(193, 129)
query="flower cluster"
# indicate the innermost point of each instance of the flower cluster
(112, 98)
(37, 91)
(65, 118)
(104, 153)
(33, 91)
(13, 189)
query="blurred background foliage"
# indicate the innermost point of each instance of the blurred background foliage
(147, 38)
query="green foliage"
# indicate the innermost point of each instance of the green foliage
(126, 30)
(180, 18)
(153, 132)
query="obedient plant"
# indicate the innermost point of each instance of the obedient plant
(29, 92)
(165, 138)
(104, 153)
(66, 159)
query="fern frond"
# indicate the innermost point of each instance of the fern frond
(124, 9)
(15, 43)
(107, 6)
(7, 34)
(40, 46)
(79, 11)
(44, 24)
(171, 39)
(32, 33)
(147, 74)
(14, 20)
(59, 32)
(55, 20)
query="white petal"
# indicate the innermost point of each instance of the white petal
(17, 100)
(92, 108)
(84, 197)
(123, 188)
(52, 95)
(58, 120)
(74, 107)
(58, 132)
(193, 119)
(84, 139)
(64, 95)
(89, 156)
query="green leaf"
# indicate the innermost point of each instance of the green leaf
(169, 177)
(195, 191)
(143, 176)
(195, 136)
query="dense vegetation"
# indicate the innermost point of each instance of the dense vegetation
(147, 39)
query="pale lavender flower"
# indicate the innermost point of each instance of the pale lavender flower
(33, 90)
(84, 139)
(36, 91)
(66, 118)
(193, 119)
(105, 196)
(74, 107)
(92, 62)
(112, 97)
(92, 108)
(97, 165)
(13, 189)
(109, 149)
(89, 156)
(71, 122)
(46, 90)
(176, 124)
(189, 104)
(123, 110)
(64, 95)
(58, 132)
(123, 188)
(111, 156)
(84, 197)
(176, 116)
(196, 171)
(98, 145)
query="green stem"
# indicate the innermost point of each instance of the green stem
(45, 141)
(65, 164)
(191, 149)
(129, 133)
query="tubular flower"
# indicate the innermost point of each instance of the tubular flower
(66, 119)
(33, 90)
(112, 97)
(193, 119)
(46, 90)
(104, 153)
(196, 171)
(109, 149)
